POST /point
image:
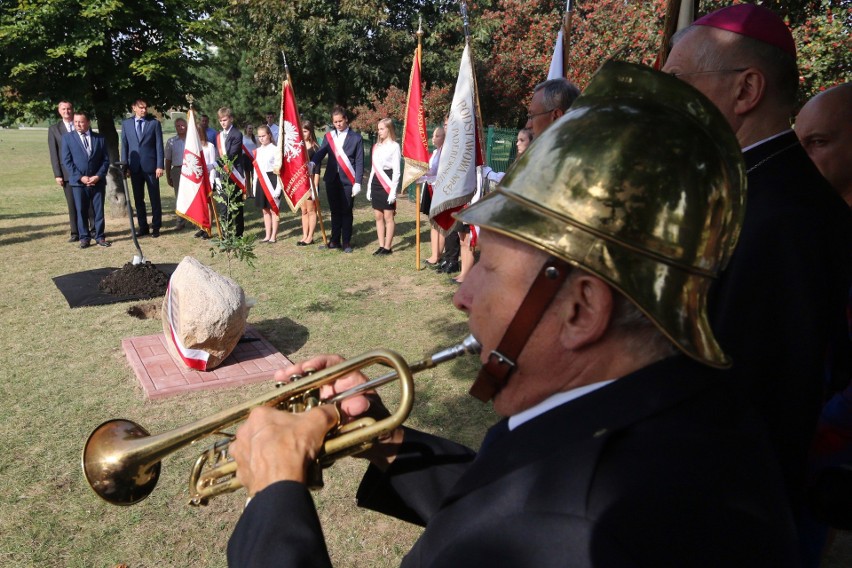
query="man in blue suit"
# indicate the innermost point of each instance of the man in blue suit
(342, 176)
(142, 150)
(85, 157)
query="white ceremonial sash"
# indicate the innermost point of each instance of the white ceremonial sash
(263, 180)
(233, 173)
(342, 158)
(380, 173)
(193, 358)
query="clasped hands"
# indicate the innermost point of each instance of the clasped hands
(274, 445)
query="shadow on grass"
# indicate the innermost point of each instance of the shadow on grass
(285, 334)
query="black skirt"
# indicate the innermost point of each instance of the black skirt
(378, 195)
(260, 196)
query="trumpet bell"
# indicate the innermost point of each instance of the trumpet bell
(111, 475)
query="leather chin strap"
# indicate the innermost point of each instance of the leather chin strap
(494, 374)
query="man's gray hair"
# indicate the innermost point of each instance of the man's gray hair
(558, 93)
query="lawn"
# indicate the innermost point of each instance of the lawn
(62, 372)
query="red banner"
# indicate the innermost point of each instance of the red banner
(415, 150)
(293, 171)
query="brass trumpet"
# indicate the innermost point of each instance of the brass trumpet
(121, 461)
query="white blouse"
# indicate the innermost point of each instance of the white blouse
(265, 157)
(386, 156)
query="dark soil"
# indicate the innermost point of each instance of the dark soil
(141, 280)
(150, 310)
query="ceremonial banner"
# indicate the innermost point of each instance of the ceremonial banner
(292, 159)
(456, 183)
(194, 189)
(415, 149)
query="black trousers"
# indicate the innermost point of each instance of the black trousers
(341, 204)
(452, 247)
(139, 180)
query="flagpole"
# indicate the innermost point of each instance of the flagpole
(669, 29)
(567, 22)
(419, 190)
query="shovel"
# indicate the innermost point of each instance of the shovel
(138, 258)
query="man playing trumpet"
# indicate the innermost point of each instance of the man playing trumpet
(619, 445)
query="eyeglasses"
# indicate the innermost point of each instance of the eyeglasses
(532, 115)
(737, 70)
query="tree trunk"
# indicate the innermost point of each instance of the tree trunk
(115, 190)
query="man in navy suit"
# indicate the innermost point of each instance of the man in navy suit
(342, 176)
(620, 446)
(142, 150)
(229, 144)
(85, 158)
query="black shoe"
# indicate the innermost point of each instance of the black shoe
(301, 244)
(347, 249)
(386, 252)
(380, 250)
(200, 234)
(332, 245)
(142, 232)
(74, 239)
(104, 243)
(440, 265)
(155, 234)
(450, 268)
(84, 244)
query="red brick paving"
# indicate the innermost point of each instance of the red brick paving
(160, 375)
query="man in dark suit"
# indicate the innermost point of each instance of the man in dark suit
(86, 159)
(54, 144)
(343, 174)
(790, 273)
(229, 144)
(620, 446)
(142, 150)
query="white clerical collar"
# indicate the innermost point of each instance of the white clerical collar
(773, 137)
(552, 402)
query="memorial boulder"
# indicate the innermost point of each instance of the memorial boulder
(204, 315)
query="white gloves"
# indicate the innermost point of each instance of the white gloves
(491, 175)
(311, 167)
(356, 189)
(276, 193)
(368, 194)
(392, 197)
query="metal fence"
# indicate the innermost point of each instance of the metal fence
(500, 147)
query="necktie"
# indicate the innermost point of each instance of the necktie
(139, 129)
(86, 144)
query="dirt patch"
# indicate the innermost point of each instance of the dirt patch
(142, 280)
(151, 310)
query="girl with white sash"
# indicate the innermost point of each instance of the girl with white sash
(267, 194)
(381, 187)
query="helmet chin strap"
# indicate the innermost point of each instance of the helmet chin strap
(495, 373)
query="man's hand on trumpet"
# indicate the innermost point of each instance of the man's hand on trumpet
(279, 446)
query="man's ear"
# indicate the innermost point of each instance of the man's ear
(586, 311)
(750, 90)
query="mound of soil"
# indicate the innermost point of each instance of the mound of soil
(143, 280)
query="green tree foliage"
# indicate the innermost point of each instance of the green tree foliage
(100, 55)
(346, 52)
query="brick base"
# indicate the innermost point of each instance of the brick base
(161, 375)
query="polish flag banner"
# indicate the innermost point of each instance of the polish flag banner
(194, 190)
(461, 155)
(292, 159)
(415, 149)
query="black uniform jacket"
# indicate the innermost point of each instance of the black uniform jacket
(664, 467)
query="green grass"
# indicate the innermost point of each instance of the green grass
(62, 372)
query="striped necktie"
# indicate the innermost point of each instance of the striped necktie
(86, 143)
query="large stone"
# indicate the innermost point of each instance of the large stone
(208, 313)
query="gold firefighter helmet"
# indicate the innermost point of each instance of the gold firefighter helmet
(642, 183)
